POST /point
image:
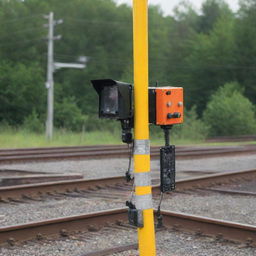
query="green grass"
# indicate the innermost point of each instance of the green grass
(156, 141)
(21, 138)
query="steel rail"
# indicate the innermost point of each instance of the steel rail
(231, 191)
(16, 151)
(61, 226)
(95, 221)
(50, 154)
(222, 230)
(46, 150)
(35, 190)
(215, 179)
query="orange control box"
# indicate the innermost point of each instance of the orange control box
(169, 105)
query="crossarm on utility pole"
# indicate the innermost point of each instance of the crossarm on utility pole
(58, 65)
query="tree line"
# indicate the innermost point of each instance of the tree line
(200, 51)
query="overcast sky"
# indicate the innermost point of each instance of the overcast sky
(167, 5)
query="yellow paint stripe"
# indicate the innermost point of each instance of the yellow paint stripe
(139, 191)
(141, 163)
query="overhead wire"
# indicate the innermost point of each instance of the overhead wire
(21, 42)
(21, 18)
(155, 61)
(99, 21)
(20, 31)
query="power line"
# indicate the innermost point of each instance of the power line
(21, 42)
(100, 21)
(127, 24)
(19, 19)
(155, 61)
(21, 31)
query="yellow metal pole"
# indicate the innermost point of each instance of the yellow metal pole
(143, 202)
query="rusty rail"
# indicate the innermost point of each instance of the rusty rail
(51, 154)
(35, 190)
(216, 179)
(60, 226)
(95, 221)
(231, 192)
(211, 227)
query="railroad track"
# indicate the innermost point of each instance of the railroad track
(114, 186)
(240, 138)
(117, 219)
(92, 152)
(94, 222)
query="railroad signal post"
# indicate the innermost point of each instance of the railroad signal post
(161, 106)
(142, 179)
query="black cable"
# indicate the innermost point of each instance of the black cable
(129, 177)
(158, 213)
(128, 173)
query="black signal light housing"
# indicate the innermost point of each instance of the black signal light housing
(115, 99)
(115, 102)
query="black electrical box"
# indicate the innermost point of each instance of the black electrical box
(167, 168)
(115, 99)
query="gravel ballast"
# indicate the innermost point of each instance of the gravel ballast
(100, 168)
(231, 208)
(214, 205)
(19, 213)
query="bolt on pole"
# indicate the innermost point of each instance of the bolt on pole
(143, 189)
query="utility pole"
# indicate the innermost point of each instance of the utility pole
(142, 177)
(49, 82)
(51, 67)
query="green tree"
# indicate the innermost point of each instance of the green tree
(22, 90)
(245, 51)
(182, 29)
(229, 112)
(193, 127)
(68, 115)
(211, 62)
(33, 123)
(199, 51)
(212, 10)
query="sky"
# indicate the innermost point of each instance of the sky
(168, 5)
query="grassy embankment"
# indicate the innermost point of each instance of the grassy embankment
(20, 138)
